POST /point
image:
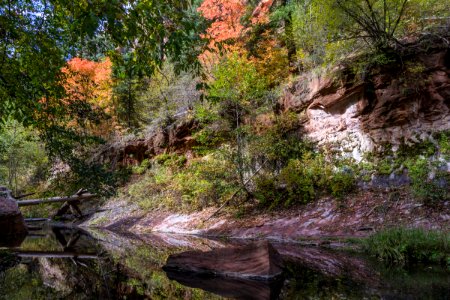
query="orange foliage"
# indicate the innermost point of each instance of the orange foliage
(261, 13)
(226, 16)
(272, 61)
(226, 25)
(89, 81)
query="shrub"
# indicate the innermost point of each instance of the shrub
(267, 191)
(171, 183)
(205, 181)
(23, 160)
(171, 160)
(444, 144)
(400, 245)
(207, 139)
(429, 190)
(279, 143)
(302, 180)
(145, 164)
(299, 182)
(342, 183)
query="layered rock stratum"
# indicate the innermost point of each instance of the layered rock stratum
(393, 104)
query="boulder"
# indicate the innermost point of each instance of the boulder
(256, 261)
(12, 225)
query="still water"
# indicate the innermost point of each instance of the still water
(56, 262)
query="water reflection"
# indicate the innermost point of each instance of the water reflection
(55, 262)
(229, 287)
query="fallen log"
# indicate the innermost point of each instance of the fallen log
(32, 220)
(23, 196)
(54, 254)
(56, 199)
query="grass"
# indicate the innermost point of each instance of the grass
(402, 245)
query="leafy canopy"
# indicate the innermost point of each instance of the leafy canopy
(38, 37)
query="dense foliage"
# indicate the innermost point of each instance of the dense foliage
(75, 75)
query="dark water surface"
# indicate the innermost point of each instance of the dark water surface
(62, 263)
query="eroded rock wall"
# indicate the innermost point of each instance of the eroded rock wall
(176, 137)
(395, 104)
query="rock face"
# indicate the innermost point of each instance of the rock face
(393, 104)
(12, 225)
(257, 261)
(173, 138)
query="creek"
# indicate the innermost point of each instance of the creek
(58, 262)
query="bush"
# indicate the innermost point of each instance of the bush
(171, 183)
(145, 164)
(444, 144)
(267, 191)
(299, 182)
(302, 180)
(279, 143)
(205, 181)
(429, 190)
(400, 245)
(171, 160)
(342, 183)
(23, 160)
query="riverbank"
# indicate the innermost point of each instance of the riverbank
(356, 215)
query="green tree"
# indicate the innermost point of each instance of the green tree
(167, 93)
(38, 37)
(22, 156)
(326, 31)
(239, 90)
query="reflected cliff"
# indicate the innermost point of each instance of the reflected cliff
(55, 262)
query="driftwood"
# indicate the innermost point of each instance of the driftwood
(70, 202)
(24, 195)
(55, 254)
(56, 199)
(32, 220)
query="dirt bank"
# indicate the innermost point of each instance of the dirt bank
(357, 215)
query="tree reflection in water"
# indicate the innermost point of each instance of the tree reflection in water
(59, 262)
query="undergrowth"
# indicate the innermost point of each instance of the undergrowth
(303, 180)
(172, 182)
(401, 245)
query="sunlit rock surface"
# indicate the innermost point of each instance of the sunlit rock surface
(391, 105)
